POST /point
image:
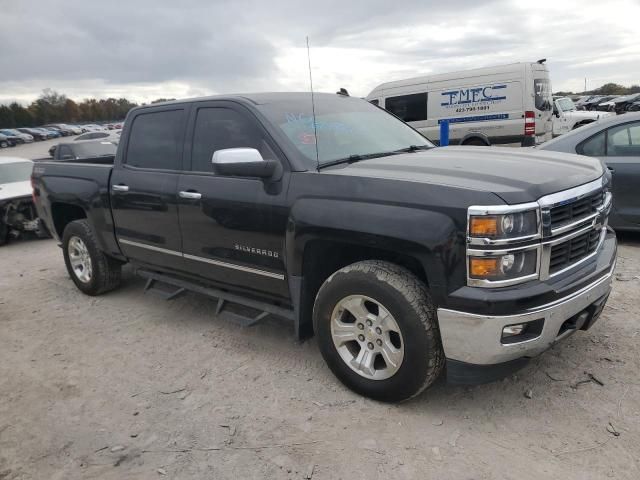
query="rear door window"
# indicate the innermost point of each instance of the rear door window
(624, 140)
(542, 91)
(155, 140)
(410, 108)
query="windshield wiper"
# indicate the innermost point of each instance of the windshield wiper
(413, 148)
(357, 157)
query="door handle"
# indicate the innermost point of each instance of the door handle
(120, 188)
(190, 195)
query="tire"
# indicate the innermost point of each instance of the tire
(4, 233)
(80, 246)
(4, 144)
(475, 141)
(382, 288)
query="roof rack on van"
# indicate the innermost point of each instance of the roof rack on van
(541, 61)
(342, 91)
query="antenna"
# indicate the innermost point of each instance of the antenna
(313, 107)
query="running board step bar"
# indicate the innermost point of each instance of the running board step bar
(174, 287)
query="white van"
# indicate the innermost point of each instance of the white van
(502, 105)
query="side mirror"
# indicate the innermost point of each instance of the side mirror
(242, 162)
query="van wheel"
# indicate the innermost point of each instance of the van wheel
(91, 270)
(377, 330)
(475, 141)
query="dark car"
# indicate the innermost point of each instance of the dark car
(63, 129)
(401, 257)
(6, 141)
(36, 133)
(90, 149)
(616, 141)
(16, 136)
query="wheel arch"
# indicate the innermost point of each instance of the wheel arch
(314, 253)
(475, 136)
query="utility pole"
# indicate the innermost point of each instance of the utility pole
(585, 84)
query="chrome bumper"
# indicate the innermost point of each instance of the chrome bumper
(476, 339)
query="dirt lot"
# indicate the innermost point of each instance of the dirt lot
(128, 386)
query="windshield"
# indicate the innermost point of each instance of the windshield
(346, 127)
(94, 149)
(15, 172)
(566, 104)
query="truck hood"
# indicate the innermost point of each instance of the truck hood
(587, 114)
(517, 175)
(15, 190)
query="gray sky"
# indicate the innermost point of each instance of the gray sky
(145, 49)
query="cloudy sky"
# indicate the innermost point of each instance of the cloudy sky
(145, 49)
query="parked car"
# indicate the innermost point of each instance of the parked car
(82, 150)
(35, 133)
(52, 132)
(567, 117)
(63, 129)
(616, 141)
(622, 104)
(94, 136)
(401, 257)
(17, 213)
(6, 141)
(16, 135)
(506, 104)
(94, 128)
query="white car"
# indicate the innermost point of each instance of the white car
(17, 212)
(567, 117)
(92, 127)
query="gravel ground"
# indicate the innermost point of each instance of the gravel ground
(128, 386)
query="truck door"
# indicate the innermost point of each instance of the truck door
(144, 187)
(233, 228)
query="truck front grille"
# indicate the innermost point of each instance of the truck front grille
(574, 250)
(574, 211)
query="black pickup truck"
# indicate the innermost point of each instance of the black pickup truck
(403, 259)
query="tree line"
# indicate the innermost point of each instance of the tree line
(606, 89)
(53, 107)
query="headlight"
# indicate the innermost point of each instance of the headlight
(504, 226)
(521, 265)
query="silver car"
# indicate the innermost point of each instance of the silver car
(615, 141)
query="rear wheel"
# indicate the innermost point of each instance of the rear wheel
(377, 330)
(4, 144)
(91, 270)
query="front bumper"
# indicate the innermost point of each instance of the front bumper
(476, 339)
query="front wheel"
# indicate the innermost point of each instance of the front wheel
(91, 270)
(377, 330)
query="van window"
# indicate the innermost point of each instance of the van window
(410, 108)
(155, 140)
(542, 94)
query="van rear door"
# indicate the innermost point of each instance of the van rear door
(543, 103)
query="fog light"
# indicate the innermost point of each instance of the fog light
(513, 330)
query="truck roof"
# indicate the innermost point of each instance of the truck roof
(254, 98)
